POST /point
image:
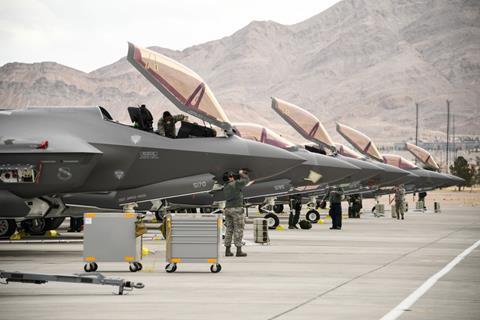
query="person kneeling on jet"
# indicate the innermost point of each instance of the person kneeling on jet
(234, 213)
(166, 124)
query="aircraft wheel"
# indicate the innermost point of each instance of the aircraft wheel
(216, 268)
(171, 267)
(53, 223)
(35, 227)
(7, 228)
(272, 220)
(278, 208)
(313, 216)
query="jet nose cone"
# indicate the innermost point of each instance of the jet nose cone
(265, 160)
(334, 169)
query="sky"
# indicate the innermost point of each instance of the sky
(88, 34)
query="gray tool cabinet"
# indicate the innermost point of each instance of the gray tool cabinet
(193, 238)
(110, 237)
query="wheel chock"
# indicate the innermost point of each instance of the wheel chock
(320, 221)
(280, 227)
(52, 233)
(146, 252)
(19, 235)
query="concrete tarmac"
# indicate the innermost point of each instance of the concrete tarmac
(360, 272)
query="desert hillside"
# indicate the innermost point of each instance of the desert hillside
(362, 62)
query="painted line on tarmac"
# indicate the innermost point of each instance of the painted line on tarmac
(420, 291)
(363, 274)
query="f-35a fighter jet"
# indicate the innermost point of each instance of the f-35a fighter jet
(48, 152)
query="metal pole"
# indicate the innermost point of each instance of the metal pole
(416, 125)
(448, 131)
(453, 138)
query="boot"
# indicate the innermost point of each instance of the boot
(290, 221)
(240, 253)
(296, 218)
(228, 252)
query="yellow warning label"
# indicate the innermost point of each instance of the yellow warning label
(90, 215)
(90, 259)
(175, 260)
(212, 260)
(129, 215)
(129, 258)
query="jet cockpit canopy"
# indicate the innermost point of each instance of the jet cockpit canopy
(398, 161)
(304, 122)
(261, 134)
(422, 155)
(359, 141)
(182, 86)
(347, 151)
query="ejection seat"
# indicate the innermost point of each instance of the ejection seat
(142, 117)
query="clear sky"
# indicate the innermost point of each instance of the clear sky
(88, 34)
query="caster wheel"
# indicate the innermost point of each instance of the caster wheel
(216, 268)
(272, 220)
(313, 216)
(88, 267)
(138, 265)
(171, 267)
(94, 266)
(133, 267)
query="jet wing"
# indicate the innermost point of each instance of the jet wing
(304, 122)
(360, 141)
(183, 87)
(422, 155)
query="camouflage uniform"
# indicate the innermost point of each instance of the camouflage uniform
(167, 128)
(400, 202)
(234, 217)
(234, 224)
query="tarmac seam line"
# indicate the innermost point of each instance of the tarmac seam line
(363, 274)
(420, 291)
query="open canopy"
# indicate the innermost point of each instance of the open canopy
(348, 152)
(398, 161)
(179, 84)
(359, 141)
(261, 134)
(304, 122)
(422, 155)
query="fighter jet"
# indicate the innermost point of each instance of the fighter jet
(427, 159)
(48, 152)
(427, 180)
(310, 127)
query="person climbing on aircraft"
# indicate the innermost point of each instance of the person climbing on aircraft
(234, 213)
(166, 124)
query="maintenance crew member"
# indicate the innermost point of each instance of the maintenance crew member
(400, 201)
(335, 197)
(421, 197)
(166, 124)
(234, 213)
(295, 208)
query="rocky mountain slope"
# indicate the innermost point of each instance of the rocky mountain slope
(362, 62)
